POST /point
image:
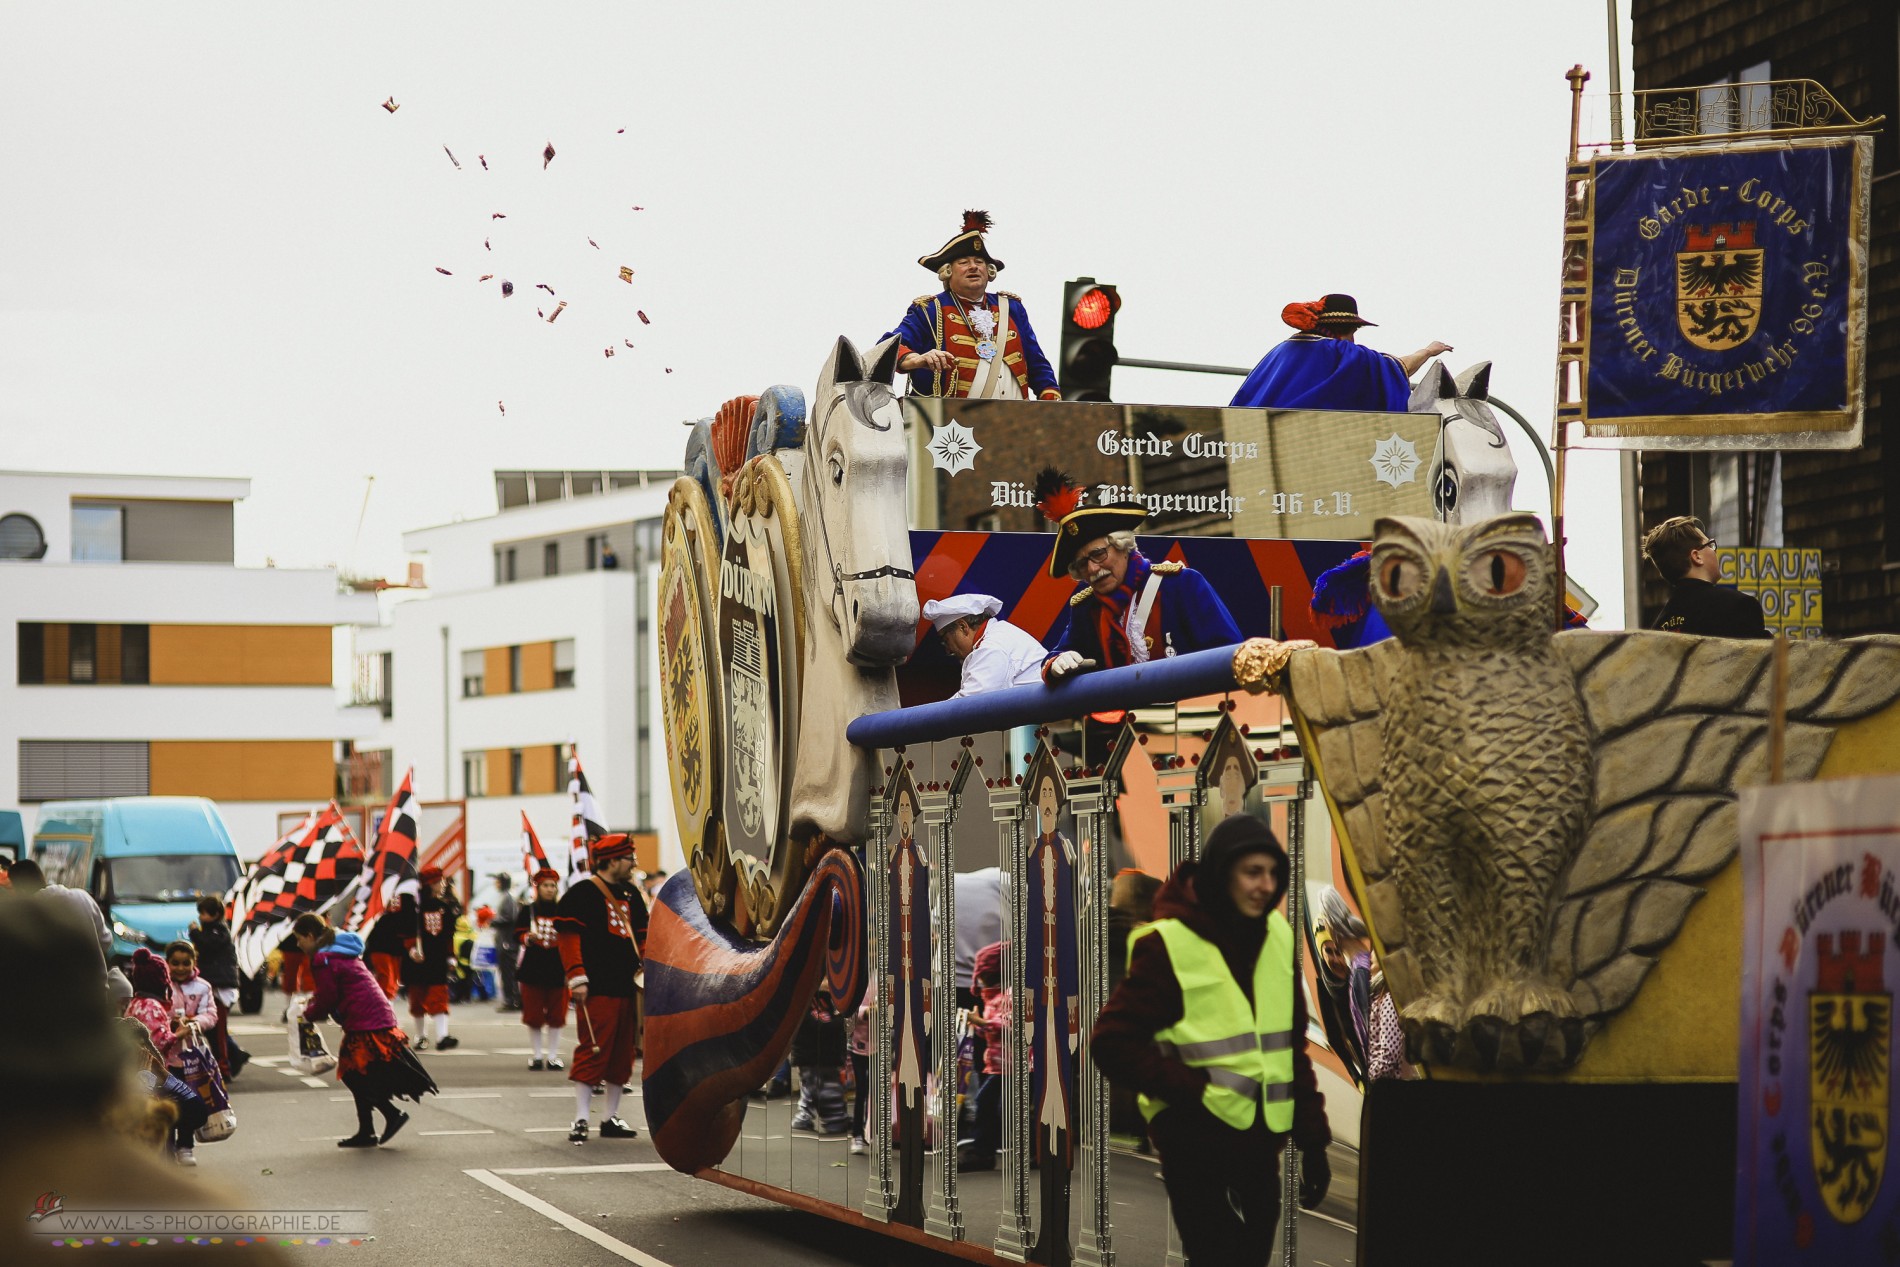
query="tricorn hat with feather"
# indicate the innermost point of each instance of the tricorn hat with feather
(968, 241)
(1059, 499)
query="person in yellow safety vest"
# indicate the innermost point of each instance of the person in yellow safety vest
(1208, 1028)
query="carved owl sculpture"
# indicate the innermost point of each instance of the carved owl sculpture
(1530, 812)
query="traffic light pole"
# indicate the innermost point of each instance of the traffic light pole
(1186, 367)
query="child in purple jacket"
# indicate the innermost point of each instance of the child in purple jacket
(375, 1062)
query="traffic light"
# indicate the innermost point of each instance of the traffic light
(1088, 339)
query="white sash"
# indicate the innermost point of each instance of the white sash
(1138, 619)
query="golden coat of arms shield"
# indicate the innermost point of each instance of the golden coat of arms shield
(1850, 1017)
(1719, 285)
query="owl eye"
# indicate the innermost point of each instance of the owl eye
(1497, 573)
(1399, 578)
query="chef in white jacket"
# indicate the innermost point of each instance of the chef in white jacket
(995, 653)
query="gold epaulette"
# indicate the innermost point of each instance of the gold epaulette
(1081, 594)
(923, 300)
(1008, 294)
(1168, 568)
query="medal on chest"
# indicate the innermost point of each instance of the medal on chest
(541, 931)
(432, 921)
(982, 324)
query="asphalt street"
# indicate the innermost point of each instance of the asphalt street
(484, 1173)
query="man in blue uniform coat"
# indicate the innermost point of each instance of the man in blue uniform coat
(1129, 610)
(968, 340)
(1320, 367)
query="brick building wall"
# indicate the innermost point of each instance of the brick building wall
(1847, 504)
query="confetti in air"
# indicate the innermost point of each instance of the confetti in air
(547, 156)
(607, 351)
(445, 272)
(452, 158)
(669, 369)
(639, 208)
(484, 159)
(507, 288)
(558, 309)
(643, 318)
(626, 274)
(498, 216)
(391, 105)
(544, 286)
(484, 277)
(485, 245)
(593, 244)
(502, 407)
(628, 342)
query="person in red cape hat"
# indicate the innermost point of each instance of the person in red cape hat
(602, 927)
(540, 975)
(1322, 367)
(431, 944)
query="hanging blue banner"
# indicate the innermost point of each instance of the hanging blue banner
(1727, 292)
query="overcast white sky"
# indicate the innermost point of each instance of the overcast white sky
(218, 253)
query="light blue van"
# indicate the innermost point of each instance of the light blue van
(145, 859)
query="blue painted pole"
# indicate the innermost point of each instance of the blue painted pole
(1136, 686)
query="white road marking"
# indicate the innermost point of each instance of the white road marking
(480, 1132)
(469, 1095)
(290, 1073)
(550, 1095)
(566, 1220)
(318, 1083)
(545, 1130)
(620, 1168)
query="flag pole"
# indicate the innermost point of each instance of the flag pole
(1577, 76)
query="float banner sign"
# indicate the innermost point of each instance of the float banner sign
(1728, 295)
(1284, 474)
(1821, 894)
(1786, 582)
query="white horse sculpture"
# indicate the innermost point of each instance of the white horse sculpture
(1473, 473)
(861, 590)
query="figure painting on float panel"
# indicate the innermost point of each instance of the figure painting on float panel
(907, 969)
(1054, 989)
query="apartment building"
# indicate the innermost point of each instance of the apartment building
(140, 660)
(535, 633)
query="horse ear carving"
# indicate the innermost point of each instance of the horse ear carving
(1443, 385)
(846, 365)
(884, 362)
(1475, 383)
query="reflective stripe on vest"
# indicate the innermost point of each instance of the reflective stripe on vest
(1247, 1053)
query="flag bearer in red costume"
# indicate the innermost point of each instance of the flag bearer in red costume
(540, 975)
(968, 340)
(602, 925)
(431, 956)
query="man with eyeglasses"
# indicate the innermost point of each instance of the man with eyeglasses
(1129, 610)
(1684, 553)
(995, 654)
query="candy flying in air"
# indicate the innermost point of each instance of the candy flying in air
(392, 105)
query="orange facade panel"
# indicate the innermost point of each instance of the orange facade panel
(537, 666)
(498, 784)
(495, 672)
(540, 769)
(108, 653)
(244, 770)
(58, 653)
(240, 655)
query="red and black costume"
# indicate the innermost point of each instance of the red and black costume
(384, 951)
(427, 978)
(601, 930)
(540, 975)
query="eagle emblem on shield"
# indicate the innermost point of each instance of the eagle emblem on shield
(1850, 1018)
(1718, 285)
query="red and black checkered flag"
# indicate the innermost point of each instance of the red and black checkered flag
(533, 857)
(393, 865)
(311, 875)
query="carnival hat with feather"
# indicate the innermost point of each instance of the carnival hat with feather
(968, 241)
(1059, 499)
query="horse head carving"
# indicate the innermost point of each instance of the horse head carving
(855, 454)
(1473, 473)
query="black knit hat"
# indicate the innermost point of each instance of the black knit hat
(1233, 839)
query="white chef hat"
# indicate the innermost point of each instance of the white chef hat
(941, 612)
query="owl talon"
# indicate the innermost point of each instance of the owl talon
(1513, 1001)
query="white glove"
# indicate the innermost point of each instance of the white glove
(1065, 664)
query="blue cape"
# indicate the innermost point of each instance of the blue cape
(1311, 371)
